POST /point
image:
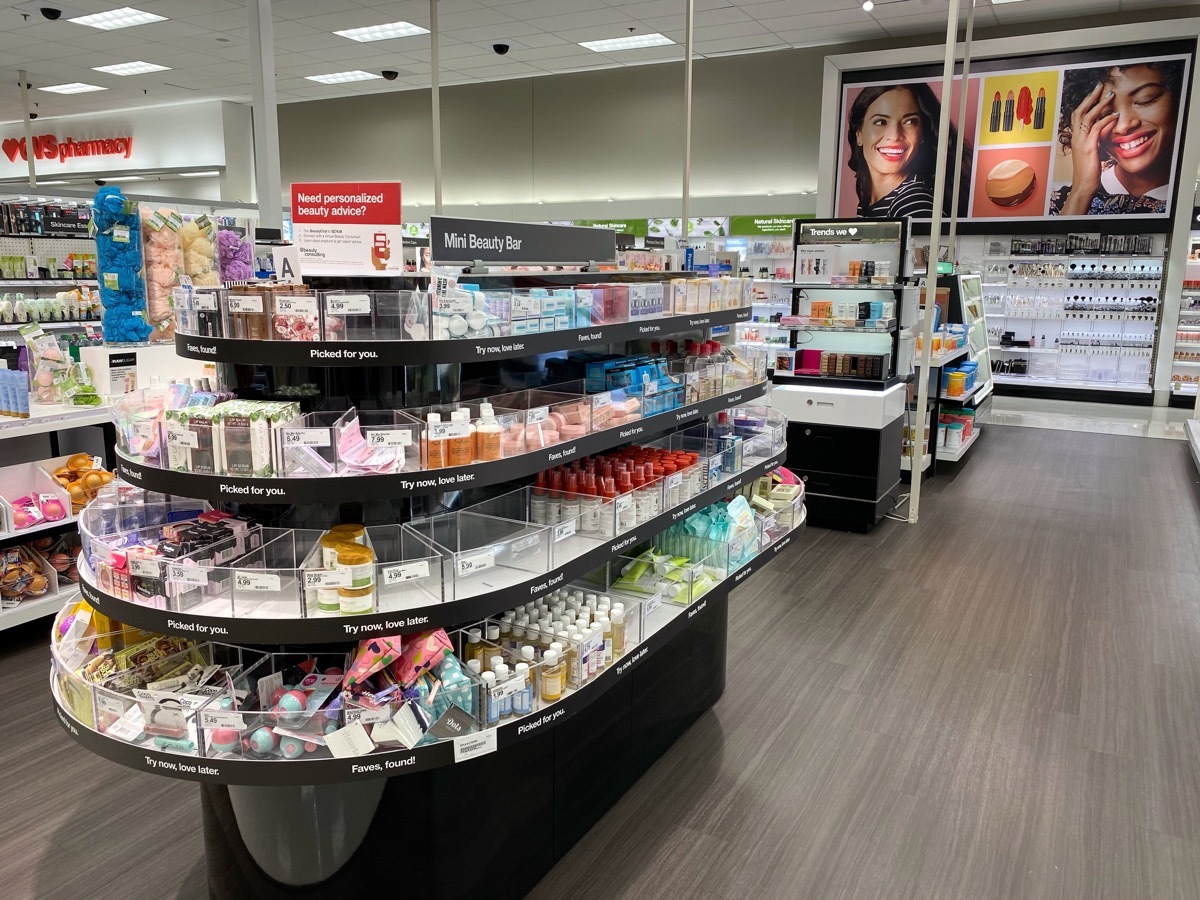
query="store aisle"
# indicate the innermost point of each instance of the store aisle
(1001, 702)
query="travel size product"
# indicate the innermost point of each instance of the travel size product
(460, 447)
(474, 648)
(606, 629)
(356, 601)
(618, 633)
(552, 678)
(493, 705)
(436, 456)
(487, 435)
(522, 701)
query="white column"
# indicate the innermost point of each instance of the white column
(687, 113)
(435, 89)
(266, 115)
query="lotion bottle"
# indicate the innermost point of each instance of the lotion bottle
(487, 435)
(460, 450)
(435, 450)
(552, 678)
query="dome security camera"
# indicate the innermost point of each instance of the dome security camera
(33, 115)
(390, 74)
(100, 182)
(501, 49)
(49, 12)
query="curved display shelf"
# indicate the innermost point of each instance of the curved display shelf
(332, 629)
(431, 481)
(386, 764)
(416, 353)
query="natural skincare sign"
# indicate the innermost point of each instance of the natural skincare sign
(1094, 132)
(348, 227)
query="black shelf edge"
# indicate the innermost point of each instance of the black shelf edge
(862, 384)
(326, 630)
(413, 353)
(386, 764)
(430, 481)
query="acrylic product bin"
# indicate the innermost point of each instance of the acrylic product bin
(308, 446)
(294, 316)
(761, 420)
(198, 311)
(246, 315)
(258, 726)
(551, 416)
(371, 315)
(710, 460)
(378, 441)
(137, 416)
(120, 508)
(745, 366)
(485, 553)
(613, 409)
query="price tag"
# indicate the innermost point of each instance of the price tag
(369, 716)
(349, 304)
(673, 481)
(111, 280)
(244, 303)
(537, 416)
(470, 746)
(447, 430)
(475, 563)
(306, 437)
(650, 388)
(390, 437)
(255, 581)
(327, 578)
(222, 718)
(183, 437)
(622, 503)
(205, 302)
(120, 234)
(111, 705)
(130, 726)
(604, 398)
(404, 572)
(143, 566)
(508, 688)
(564, 530)
(652, 603)
(187, 574)
(300, 305)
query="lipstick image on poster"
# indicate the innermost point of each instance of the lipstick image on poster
(994, 121)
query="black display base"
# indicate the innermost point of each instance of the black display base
(1079, 395)
(846, 514)
(491, 827)
(1182, 401)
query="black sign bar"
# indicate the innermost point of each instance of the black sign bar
(508, 243)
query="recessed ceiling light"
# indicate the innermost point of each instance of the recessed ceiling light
(382, 32)
(540, 202)
(868, 5)
(632, 42)
(211, 174)
(343, 77)
(125, 17)
(75, 87)
(132, 68)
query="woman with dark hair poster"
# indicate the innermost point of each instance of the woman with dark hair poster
(1119, 127)
(892, 132)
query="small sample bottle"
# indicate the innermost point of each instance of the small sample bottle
(607, 629)
(618, 633)
(493, 642)
(505, 635)
(537, 500)
(506, 705)
(460, 450)
(552, 678)
(435, 448)
(587, 664)
(522, 701)
(494, 663)
(474, 666)
(570, 508)
(527, 657)
(487, 435)
(572, 658)
(493, 705)
(554, 498)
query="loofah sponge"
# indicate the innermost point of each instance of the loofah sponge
(117, 230)
(235, 254)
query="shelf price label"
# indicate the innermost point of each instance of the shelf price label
(474, 563)
(245, 303)
(537, 416)
(652, 603)
(448, 430)
(183, 437)
(142, 566)
(306, 437)
(204, 302)
(327, 578)
(255, 581)
(300, 305)
(604, 398)
(187, 575)
(222, 718)
(403, 572)
(389, 437)
(349, 305)
(564, 530)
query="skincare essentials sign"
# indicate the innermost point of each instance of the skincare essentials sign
(518, 243)
(1091, 132)
(348, 227)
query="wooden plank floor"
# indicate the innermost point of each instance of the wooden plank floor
(1003, 701)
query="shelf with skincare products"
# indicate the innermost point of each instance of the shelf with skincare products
(317, 438)
(963, 397)
(944, 357)
(957, 452)
(379, 569)
(83, 709)
(1079, 290)
(419, 588)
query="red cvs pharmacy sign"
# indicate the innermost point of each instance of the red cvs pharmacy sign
(348, 227)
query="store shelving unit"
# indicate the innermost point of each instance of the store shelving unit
(539, 773)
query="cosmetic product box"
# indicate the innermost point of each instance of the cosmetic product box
(191, 440)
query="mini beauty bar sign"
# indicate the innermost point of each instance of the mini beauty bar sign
(467, 240)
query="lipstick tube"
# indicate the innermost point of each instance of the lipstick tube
(1010, 111)
(1039, 109)
(994, 122)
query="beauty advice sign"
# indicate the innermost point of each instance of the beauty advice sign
(348, 227)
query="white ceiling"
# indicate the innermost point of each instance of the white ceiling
(205, 42)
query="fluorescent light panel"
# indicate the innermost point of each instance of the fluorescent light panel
(125, 17)
(382, 32)
(211, 174)
(343, 77)
(632, 42)
(75, 87)
(131, 68)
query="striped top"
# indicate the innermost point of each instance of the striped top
(912, 198)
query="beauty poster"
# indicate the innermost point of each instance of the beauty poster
(1092, 133)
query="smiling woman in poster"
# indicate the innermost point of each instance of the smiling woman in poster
(892, 131)
(1119, 125)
